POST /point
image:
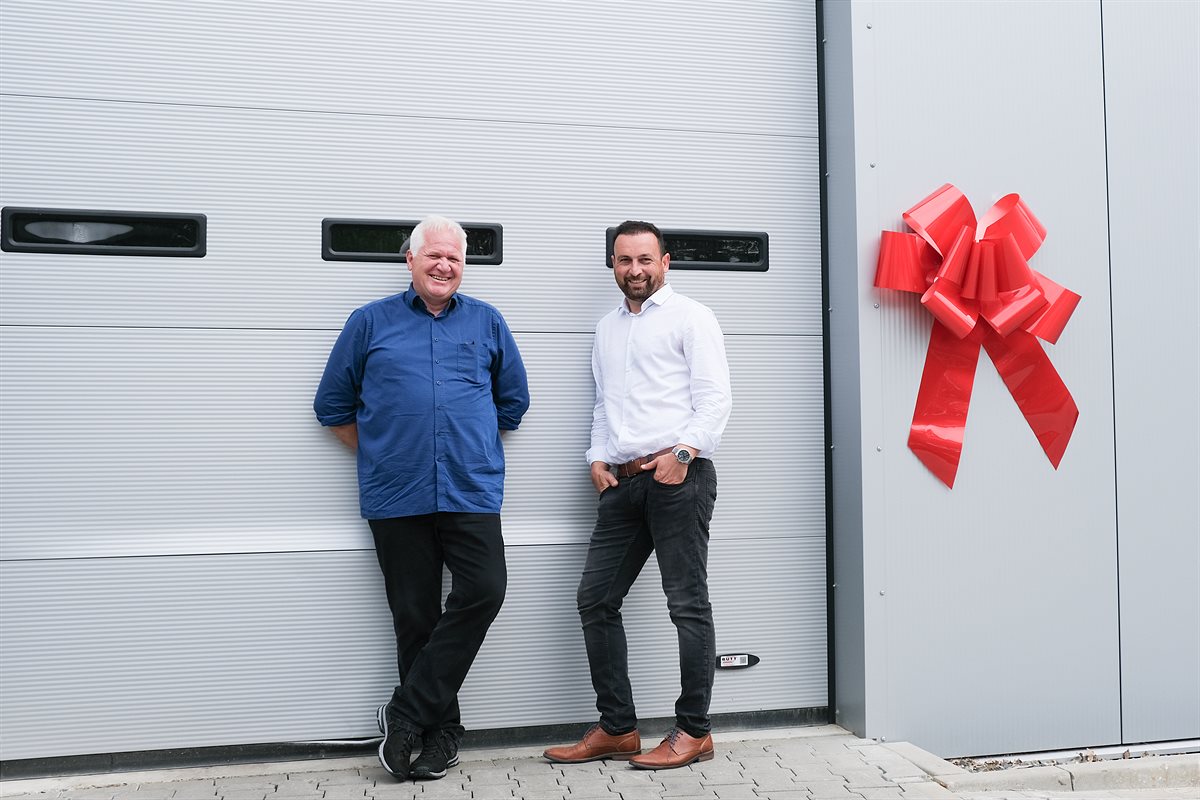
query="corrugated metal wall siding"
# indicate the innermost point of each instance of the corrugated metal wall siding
(701, 67)
(165, 652)
(117, 441)
(174, 519)
(267, 179)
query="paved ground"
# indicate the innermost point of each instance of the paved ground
(818, 763)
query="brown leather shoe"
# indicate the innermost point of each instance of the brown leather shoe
(677, 750)
(595, 745)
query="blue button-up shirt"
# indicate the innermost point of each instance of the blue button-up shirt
(430, 396)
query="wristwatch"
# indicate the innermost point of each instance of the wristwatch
(682, 455)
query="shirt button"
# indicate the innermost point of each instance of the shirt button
(435, 338)
(439, 383)
(437, 361)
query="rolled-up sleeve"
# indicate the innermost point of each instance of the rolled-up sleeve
(712, 397)
(599, 438)
(338, 394)
(510, 384)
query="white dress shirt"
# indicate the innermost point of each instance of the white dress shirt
(661, 379)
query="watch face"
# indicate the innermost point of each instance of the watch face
(683, 456)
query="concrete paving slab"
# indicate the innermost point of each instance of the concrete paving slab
(832, 766)
(548, 782)
(832, 791)
(864, 778)
(886, 793)
(928, 790)
(1151, 772)
(928, 762)
(736, 792)
(345, 792)
(1180, 770)
(396, 791)
(542, 794)
(1024, 779)
(634, 793)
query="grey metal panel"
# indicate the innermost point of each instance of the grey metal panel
(978, 581)
(267, 179)
(123, 442)
(853, 374)
(682, 64)
(111, 655)
(104, 655)
(1152, 89)
(768, 599)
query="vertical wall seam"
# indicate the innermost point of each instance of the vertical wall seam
(1112, 356)
(826, 374)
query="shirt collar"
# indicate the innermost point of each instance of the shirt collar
(658, 298)
(414, 301)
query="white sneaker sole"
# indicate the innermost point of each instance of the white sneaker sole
(425, 776)
(381, 718)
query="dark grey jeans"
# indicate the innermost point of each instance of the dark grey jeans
(434, 647)
(633, 519)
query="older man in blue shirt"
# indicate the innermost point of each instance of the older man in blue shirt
(422, 384)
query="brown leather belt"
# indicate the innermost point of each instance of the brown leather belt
(628, 470)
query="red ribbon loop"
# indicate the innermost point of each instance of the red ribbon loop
(966, 272)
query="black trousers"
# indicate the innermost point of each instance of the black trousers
(434, 647)
(635, 518)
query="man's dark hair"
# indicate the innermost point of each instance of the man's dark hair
(634, 227)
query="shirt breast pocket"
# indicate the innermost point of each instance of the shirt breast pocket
(472, 358)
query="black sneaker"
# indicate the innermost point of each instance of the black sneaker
(439, 752)
(395, 751)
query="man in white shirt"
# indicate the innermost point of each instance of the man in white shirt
(662, 401)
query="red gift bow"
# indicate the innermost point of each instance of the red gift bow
(962, 279)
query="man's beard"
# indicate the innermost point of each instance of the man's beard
(639, 293)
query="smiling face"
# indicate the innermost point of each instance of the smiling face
(437, 269)
(639, 266)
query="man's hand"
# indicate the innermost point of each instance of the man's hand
(602, 477)
(667, 469)
(347, 434)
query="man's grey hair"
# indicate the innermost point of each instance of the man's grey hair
(436, 224)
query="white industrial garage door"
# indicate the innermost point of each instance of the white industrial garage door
(182, 561)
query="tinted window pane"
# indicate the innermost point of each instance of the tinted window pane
(481, 241)
(347, 238)
(715, 249)
(102, 232)
(378, 240)
(719, 251)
